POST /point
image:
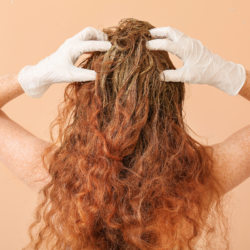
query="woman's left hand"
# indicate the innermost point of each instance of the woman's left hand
(59, 66)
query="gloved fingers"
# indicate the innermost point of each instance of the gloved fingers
(164, 44)
(166, 32)
(91, 33)
(76, 74)
(88, 46)
(172, 75)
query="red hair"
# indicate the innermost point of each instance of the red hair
(125, 172)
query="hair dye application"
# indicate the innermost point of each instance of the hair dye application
(125, 172)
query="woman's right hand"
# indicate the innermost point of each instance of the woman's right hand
(200, 65)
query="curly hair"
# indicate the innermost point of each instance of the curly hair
(125, 172)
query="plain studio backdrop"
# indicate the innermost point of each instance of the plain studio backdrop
(32, 30)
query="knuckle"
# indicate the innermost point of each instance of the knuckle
(68, 42)
(88, 29)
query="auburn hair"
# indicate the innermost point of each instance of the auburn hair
(125, 172)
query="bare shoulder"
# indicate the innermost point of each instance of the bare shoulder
(232, 159)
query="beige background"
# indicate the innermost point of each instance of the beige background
(32, 30)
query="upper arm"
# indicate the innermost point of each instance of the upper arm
(232, 159)
(21, 152)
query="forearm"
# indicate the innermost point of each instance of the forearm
(20, 150)
(10, 88)
(245, 90)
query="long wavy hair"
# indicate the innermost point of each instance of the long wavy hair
(125, 172)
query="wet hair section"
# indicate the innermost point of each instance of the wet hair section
(130, 67)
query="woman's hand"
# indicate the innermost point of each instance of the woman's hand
(201, 66)
(59, 66)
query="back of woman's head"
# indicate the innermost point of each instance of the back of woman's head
(125, 172)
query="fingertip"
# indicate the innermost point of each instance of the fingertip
(101, 36)
(105, 36)
(90, 33)
(168, 76)
(153, 32)
(103, 46)
(109, 45)
(162, 78)
(163, 32)
(153, 44)
(148, 45)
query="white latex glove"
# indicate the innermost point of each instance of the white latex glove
(200, 65)
(59, 66)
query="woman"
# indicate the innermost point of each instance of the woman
(123, 173)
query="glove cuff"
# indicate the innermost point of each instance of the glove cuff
(30, 83)
(234, 80)
(242, 79)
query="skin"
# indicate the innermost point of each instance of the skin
(21, 151)
(232, 156)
